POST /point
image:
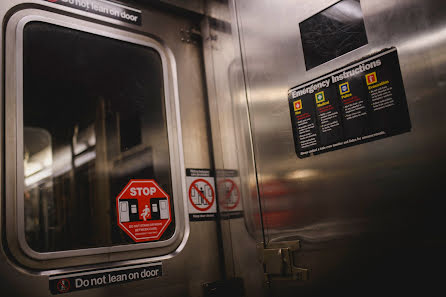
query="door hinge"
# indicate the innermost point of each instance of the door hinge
(191, 35)
(278, 261)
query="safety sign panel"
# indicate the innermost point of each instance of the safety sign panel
(201, 194)
(143, 210)
(231, 197)
(230, 200)
(361, 102)
(66, 283)
(104, 8)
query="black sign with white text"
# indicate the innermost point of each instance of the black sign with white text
(104, 8)
(361, 102)
(66, 283)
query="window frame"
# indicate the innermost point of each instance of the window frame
(14, 167)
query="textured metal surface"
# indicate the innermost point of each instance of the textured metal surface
(369, 217)
(197, 261)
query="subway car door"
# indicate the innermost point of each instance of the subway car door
(103, 110)
(348, 117)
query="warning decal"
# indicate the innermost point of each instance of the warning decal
(63, 286)
(361, 102)
(104, 8)
(66, 283)
(229, 195)
(143, 210)
(201, 194)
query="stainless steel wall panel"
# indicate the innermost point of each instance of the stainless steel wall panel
(197, 6)
(356, 210)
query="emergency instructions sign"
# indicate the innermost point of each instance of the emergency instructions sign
(361, 102)
(143, 210)
(202, 202)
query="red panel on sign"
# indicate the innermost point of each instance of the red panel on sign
(144, 210)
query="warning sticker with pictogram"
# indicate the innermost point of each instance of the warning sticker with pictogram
(201, 194)
(63, 285)
(104, 8)
(88, 279)
(230, 202)
(231, 196)
(143, 210)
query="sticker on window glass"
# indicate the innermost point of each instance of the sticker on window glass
(143, 210)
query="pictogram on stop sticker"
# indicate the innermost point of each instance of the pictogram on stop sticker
(143, 210)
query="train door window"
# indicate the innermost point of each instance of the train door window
(91, 117)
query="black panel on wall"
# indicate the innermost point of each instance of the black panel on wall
(333, 32)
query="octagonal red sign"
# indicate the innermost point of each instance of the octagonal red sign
(143, 210)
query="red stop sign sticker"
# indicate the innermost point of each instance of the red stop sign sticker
(143, 210)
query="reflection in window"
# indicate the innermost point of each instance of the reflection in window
(94, 119)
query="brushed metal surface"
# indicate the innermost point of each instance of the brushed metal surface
(197, 6)
(369, 217)
(196, 260)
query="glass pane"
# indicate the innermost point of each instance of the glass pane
(333, 32)
(94, 118)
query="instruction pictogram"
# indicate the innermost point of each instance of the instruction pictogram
(143, 210)
(231, 194)
(320, 97)
(371, 78)
(297, 105)
(344, 88)
(201, 194)
(63, 285)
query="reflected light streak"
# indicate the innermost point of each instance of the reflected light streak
(426, 40)
(303, 174)
(344, 11)
(35, 178)
(32, 167)
(84, 158)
